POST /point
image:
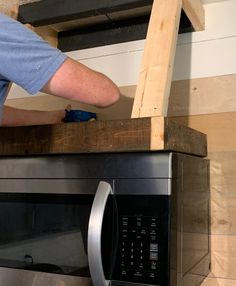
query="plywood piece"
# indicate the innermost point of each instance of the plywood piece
(151, 98)
(144, 134)
(195, 11)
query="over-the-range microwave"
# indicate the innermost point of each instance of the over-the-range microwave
(104, 219)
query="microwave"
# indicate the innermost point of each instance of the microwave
(104, 219)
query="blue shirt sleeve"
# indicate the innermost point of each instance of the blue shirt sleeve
(25, 58)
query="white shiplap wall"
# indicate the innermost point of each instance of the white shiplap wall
(200, 54)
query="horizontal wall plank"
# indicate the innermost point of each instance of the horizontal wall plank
(203, 96)
(197, 60)
(121, 110)
(187, 63)
(188, 97)
(214, 29)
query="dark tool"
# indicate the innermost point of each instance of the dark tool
(79, 116)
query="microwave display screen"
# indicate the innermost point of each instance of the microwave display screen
(45, 232)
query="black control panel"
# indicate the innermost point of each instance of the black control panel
(142, 253)
(139, 248)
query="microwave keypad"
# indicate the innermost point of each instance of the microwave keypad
(139, 249)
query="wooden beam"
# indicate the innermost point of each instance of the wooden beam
(195, 11)
(154, 83)
(95, 35)
(54, 11)
(67, 15)
(142, 134)
(105, 34)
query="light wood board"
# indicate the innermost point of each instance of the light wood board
(152, 94)
(195, 11)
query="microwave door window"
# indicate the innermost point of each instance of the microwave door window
(44, 232)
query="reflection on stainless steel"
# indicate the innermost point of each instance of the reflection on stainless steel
(13, 277)
(95, 233)
(194, 252)
(72, 257)
(160, 197)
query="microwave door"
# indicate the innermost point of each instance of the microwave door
(95, 234)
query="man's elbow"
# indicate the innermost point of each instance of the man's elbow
(111, 97)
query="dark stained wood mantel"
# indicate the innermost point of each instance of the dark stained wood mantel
(130, 135)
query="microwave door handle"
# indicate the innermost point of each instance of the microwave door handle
(95, 233)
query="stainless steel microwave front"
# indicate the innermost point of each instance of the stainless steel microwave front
(100, 219)
(33, 240)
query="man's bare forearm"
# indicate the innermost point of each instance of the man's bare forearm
(21, 117)
(75, 81)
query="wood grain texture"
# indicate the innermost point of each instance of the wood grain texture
(151, 98)
(102, 136)
(195, 11)
(203, 96)
(185, 139)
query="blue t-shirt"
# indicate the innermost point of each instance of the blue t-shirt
(25, 58)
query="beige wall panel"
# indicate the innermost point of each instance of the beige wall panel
(223, 256)
(223, 214)
(7, 5)
(117, 111)
(218, 127)
(188, 97)
(218, 282)
(223, 192)
(203, 96)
